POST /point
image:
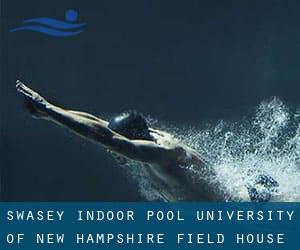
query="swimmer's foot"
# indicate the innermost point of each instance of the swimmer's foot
(34, 103)
(264, 188)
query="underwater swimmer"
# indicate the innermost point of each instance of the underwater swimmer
(128, 135)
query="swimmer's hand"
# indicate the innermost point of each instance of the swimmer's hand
(35, 103)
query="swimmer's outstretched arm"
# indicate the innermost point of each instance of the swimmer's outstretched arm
(95, 129)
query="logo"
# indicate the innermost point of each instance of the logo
(53, 27)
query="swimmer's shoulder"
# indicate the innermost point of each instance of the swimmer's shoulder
(186, 156)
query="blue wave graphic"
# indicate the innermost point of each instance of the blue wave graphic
(53, 23)
(53, 27)
(47, 31)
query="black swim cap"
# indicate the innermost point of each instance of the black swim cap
(132, 125)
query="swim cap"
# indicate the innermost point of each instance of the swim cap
(132, 125)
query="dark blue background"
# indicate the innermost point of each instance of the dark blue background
(182, 62)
